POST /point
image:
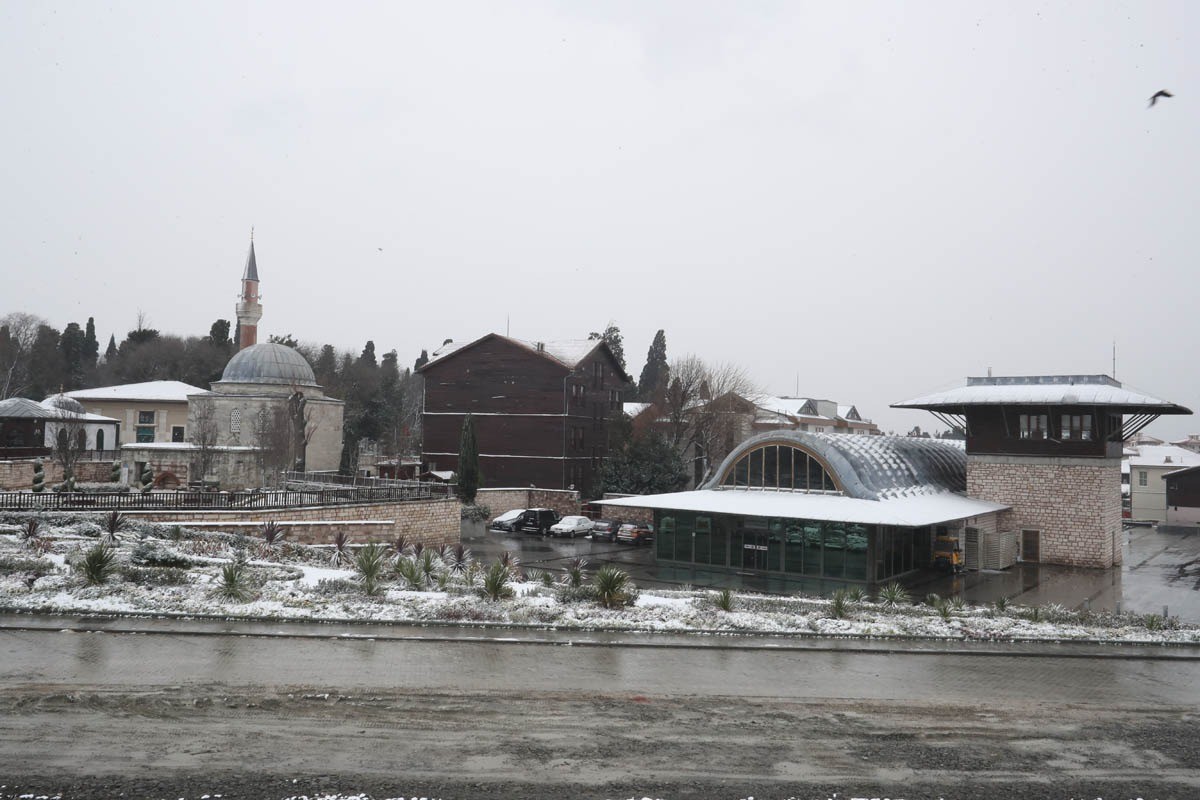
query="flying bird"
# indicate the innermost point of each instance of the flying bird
(1158, 94)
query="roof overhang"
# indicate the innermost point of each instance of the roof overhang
(910, 512)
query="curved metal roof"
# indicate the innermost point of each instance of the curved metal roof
(872, 467)
(269, 362)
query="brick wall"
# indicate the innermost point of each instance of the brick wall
(18, 475)
(431, 522)
(1074, 503)
(641, 516)
(563, 501)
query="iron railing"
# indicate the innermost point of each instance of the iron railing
(335, 479)
(220, 501)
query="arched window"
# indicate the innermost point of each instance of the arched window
(779, 466)
(235, 421)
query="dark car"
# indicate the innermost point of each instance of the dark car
(605, 530)
(537, 520)
(507, 521)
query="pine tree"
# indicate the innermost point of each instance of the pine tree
(422, 360)
(368, 355)
(110, 352)
(326, 369)
(469, 478)
(616, 343)
(656, 374)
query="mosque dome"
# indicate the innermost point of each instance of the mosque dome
(60, 402)
(268, 362)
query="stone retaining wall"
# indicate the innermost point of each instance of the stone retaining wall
(1074, 503)
(430, 522)
(563, 501)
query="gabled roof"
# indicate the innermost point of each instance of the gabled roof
(567, 353)
(1163, 455)
(1043, 390)
(150, 391)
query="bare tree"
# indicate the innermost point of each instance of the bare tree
(17, 332)
(70, 443)
(203, 427)
(282, 434)
(705, 409)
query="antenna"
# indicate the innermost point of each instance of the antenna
(506, 322)
(1114, 375)
(797, 383)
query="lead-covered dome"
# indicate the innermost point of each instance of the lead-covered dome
(268, 362)
(60, 402)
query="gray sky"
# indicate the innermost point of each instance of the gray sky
(880, 197)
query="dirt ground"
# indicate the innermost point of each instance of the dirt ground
(196, 741)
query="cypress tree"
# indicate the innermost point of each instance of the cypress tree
(656, 373)
(110, 352)
(114, 475)
(91, 345)
(469, 478)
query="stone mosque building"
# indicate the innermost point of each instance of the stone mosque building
(267, 413)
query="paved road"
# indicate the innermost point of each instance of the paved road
(95, 714)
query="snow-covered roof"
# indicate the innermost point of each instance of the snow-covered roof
(184, 446)
(150, 391)
(23, 408)
(633, 409)
(1073, 390)
(1163, 455)
(904, 511)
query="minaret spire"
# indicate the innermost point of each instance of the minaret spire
(249, 310)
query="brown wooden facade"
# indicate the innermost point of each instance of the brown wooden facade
(1057, 430)
(1183, 488)
(538, 421)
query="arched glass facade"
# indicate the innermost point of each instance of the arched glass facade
(779, 466)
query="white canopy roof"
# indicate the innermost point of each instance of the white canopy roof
(150, 391)
(1082, 390)
(903, 511)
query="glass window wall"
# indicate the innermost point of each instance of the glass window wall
(779, 467)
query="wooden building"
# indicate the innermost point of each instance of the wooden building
(1183, 496)
(541, 409)
(1050, 447)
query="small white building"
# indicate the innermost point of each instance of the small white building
(1147, 467)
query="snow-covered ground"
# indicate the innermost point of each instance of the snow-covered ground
(298, 582)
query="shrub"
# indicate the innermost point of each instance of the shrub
(476, 512)
(113, 523)
(958, 604)
(839, 604)
(30, 529)
(575, 594)
(495, 582)
(235, 583)
(575, 574)
(1032, 613)
(10, 565)
(458, 558)
(613, 587)
(1153, 622)
(154, 576)
(101, 488)
(409, 573)
(98, 564)
(400, 545)
(724, 600)
(148, 554)
(341, 549)
(39, 477)
(893, 595)
(335, 586)
(370, 561)
(273, 534)
(1001, 605)
(855, 594)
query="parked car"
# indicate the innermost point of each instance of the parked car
(635, 533)
(571, 526)
(605, 529)
(537, 520)
(507, 521)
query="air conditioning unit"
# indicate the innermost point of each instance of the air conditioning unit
(998, 550)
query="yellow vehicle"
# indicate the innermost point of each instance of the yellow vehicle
(947, 554)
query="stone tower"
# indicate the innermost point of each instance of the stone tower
(249, 310)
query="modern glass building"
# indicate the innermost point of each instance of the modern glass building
(803, 506)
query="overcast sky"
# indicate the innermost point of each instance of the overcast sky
(880, 199)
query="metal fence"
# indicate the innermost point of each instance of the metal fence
(336, 479)
(221, 501)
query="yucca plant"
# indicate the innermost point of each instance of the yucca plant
(472, 575)
(1001, 605)
(235, 583)
(400, 544)
(892, 595)
(341, 550)
(458, 558)
(724, 600)
(839, 604)
(98, 564)
(513, 564)
(429, 565)
(939, 604)
(370, 562)
(612, 587)
(575, 574)
(113, 523)
(417, 548)
(495, 582)
(958, 604)
(855, 594)
(273, 534)
(30, 530)
(1033, 614)
(408, 573)
(442, 580)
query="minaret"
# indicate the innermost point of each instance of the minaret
(249, 311)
